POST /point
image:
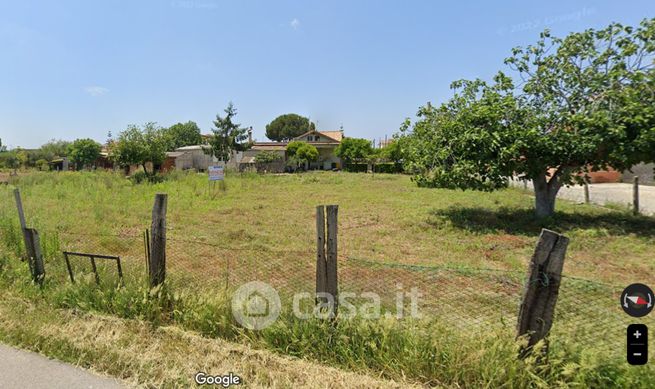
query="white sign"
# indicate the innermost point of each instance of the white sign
(216, 173)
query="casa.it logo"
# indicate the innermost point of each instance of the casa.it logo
(637, 300)
(256, 305)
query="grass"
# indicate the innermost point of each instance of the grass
(262, 227)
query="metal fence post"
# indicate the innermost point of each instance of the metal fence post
(157, 265)
(541, 288)
(23, 224)
(34, 255)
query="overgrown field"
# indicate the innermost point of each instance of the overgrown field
(466, 252)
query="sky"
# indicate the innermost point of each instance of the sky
(79, 69)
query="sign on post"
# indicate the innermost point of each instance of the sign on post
(216, 173)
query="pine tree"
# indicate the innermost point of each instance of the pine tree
(227, 135)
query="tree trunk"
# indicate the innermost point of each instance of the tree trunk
(545, 193)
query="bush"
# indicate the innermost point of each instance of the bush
(141, 177)
(388, 167)
(355, 167)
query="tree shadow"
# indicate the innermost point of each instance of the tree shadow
(523, 221)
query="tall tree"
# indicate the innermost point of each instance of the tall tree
(585, 102)
(83, 152)
(182, 134)
(288, 126)
(227, 135)
(54, 149)
(138, 146)
(3, 148)
(301, 153)
(354, 149)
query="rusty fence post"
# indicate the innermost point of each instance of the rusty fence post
(541, 289)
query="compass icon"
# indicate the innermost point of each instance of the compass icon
(637, 300)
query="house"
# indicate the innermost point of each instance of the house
(189, 157)
(325, 142)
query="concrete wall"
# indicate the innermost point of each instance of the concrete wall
(643, 171)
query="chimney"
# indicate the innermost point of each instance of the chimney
(250, 134)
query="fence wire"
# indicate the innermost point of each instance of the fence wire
(588, 314)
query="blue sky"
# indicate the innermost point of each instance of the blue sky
(73, 69)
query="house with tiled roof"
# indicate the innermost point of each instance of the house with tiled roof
(325, 142)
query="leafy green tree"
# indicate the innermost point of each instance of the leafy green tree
(22, 156)
(9, 160)
(307, 153)
(292, 147)
(138, 146)
(182, 134)
(54, 149)
(267, 157)
(288, 126)
(3, 148)
(227, 135)
(83, 152)
(303, 154)
(354, 149)
(586, 102)
(42, 164)
(392, 151)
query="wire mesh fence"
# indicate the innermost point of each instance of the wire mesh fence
(88, 257)
(588, 313)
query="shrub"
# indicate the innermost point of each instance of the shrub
(141, 177)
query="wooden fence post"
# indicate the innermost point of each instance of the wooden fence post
(157, 265)
(321, 265)
(635, 195)
(326, 254)
(34, 255)
(332, 284)
(541, 288)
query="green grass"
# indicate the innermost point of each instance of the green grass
(262, 227)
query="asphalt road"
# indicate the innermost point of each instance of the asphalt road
(22, 369)
(610, 193)
(616, 193)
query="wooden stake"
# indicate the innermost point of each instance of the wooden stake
(157, 270)
(635, 195)
(542, 288)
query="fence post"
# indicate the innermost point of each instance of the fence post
(23, 224)
(321, 265)
(326, 255)
(332, 284)
(34, 255)
(635, 195)
(586, 192)
(157, 265)
(541, 288)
